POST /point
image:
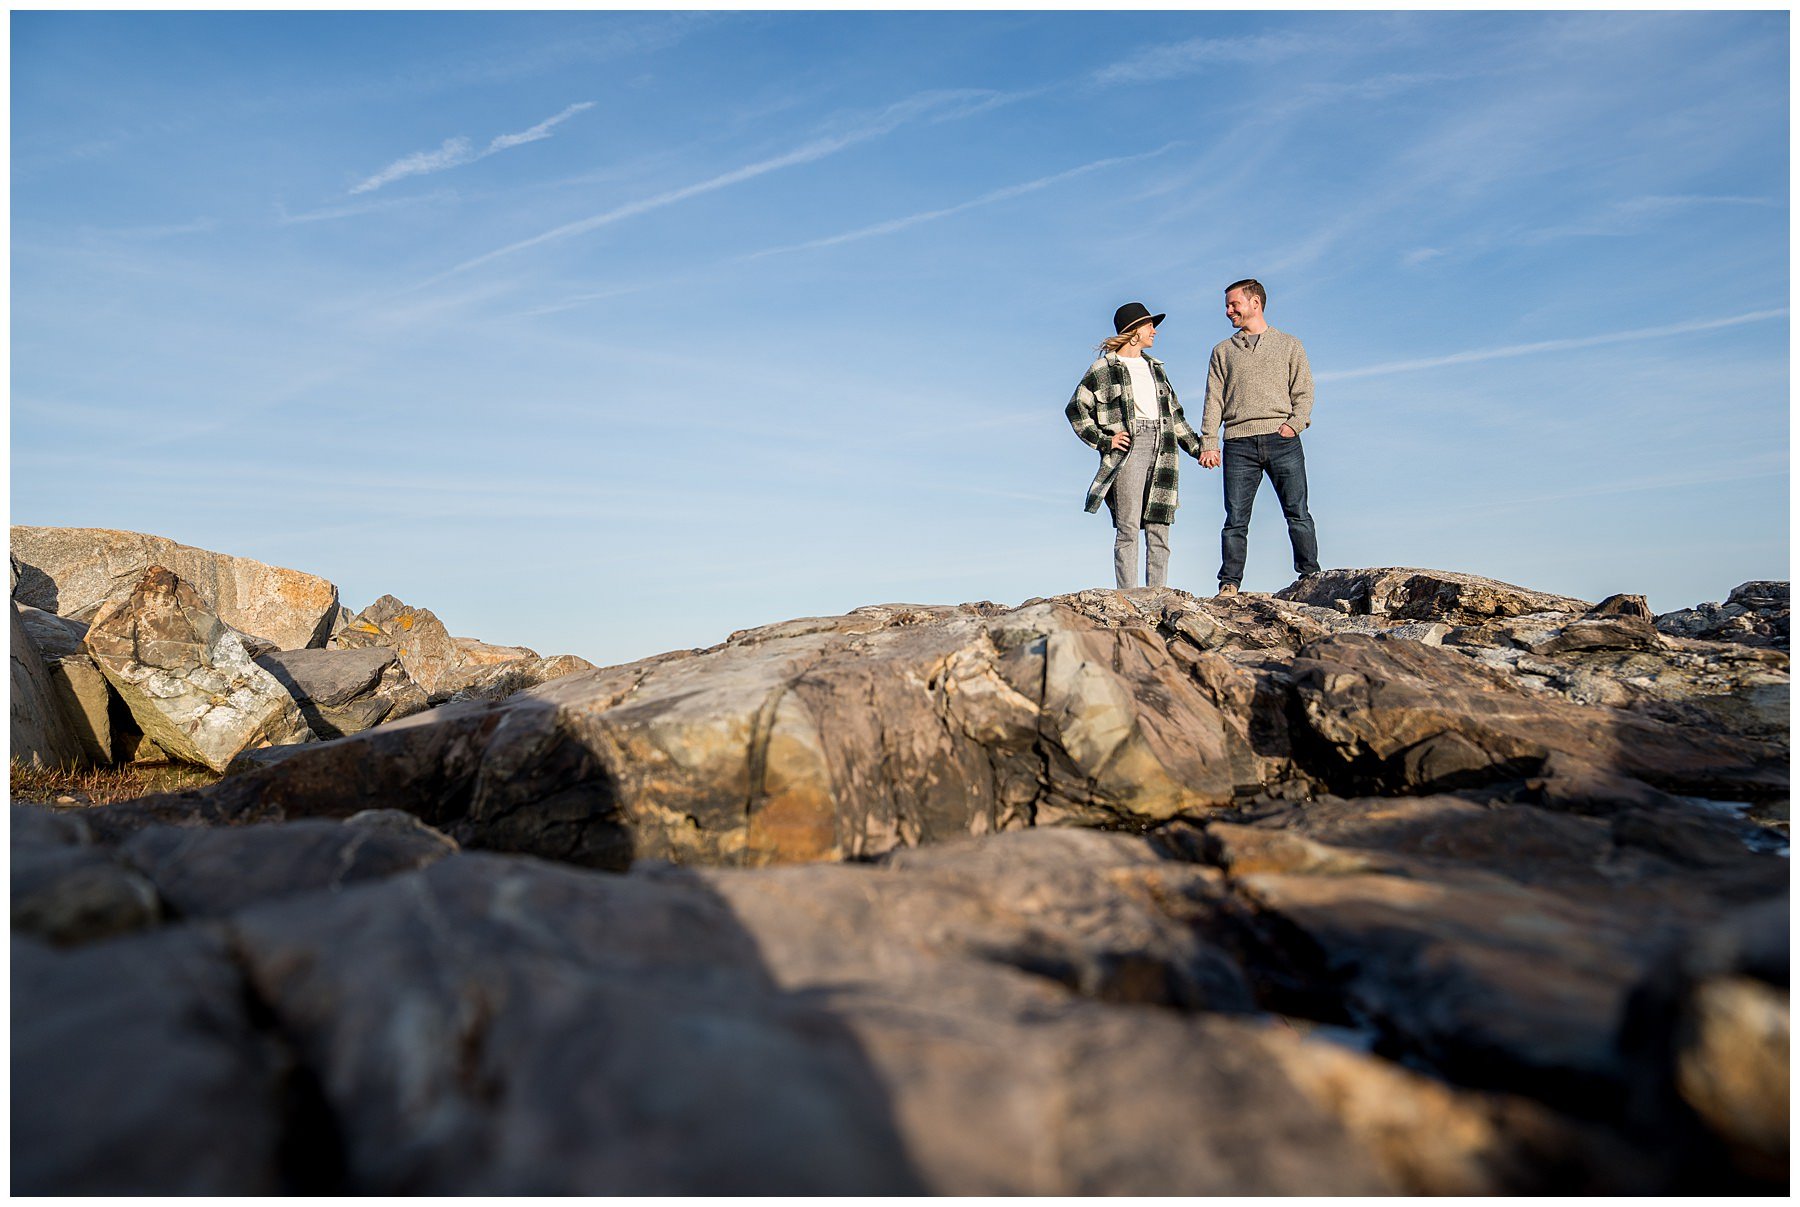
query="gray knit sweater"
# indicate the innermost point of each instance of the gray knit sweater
(1253, 391)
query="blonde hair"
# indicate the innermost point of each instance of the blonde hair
(1114, 342)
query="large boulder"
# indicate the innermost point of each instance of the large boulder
(54, 636)
(1399, 716)
(1474, 938)
(41, 731)
(473, 652)
(1423, 594)
(1446, 903)
(498, 680)
(207, 873)
(1021, 1014)
(1708, 1030)
(136, 1069)
(424, 646)
(74, 571)
(86, 698)
(817, 739)
(1754, 614)
(345, 691)
(67, 889)
(897, 725)
(187, 676)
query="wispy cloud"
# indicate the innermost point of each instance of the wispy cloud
(331, 213)
(866, 232)
(1552, 345)
(459, 150)
(1197, 54)
(990, 198)
(541, 130)
(454, 151)
(958, 103)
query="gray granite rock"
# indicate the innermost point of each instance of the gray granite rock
(187, 676)
(345, 691)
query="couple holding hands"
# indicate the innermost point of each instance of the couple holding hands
(1258, 386)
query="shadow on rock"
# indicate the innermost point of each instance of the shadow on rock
(485, 1025)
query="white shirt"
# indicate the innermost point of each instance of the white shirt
(1145, 403)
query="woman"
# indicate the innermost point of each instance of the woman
(1126, 410)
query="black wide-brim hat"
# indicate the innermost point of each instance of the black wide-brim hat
(1131, 314)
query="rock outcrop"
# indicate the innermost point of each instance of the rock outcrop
(424, 646)
(893, 726)
(1754, 614)
(187, 676)
(284, 620)
(345, 691)
(1423, 595)
(1413, 883)
(498, 680)
(1029, 1013)
(74, 571)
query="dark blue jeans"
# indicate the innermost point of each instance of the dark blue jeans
(1246, 460)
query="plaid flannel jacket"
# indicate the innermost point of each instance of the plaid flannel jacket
(1102, 407)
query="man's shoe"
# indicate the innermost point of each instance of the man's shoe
(1226, 589)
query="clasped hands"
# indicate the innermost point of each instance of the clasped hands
(1210, 458)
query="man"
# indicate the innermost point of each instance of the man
(1260, 387)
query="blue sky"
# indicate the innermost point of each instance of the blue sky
(611, 333)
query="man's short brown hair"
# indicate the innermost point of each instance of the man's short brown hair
(1251, 286)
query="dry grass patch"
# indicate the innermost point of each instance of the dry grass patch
(36, 784)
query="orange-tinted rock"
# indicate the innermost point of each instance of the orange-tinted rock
(73, 571)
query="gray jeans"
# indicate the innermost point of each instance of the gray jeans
(1126, 502)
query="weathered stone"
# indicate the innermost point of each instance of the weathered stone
(54, 636)
(1633, 607)
(41, 733)
(498, 680)
(86, 699)
(135, 1071)
(1425, 594)
(1398, 715)
(65, 889)
(345, 691)
(1476, 939)
(32, 825)
(209, 873)
(536, 1030)
(1755, 614)
(1759, 594)
(186, 676)
(947, 1008)
(425, 647)
(986, 1029)
(1733, 1067)
(426, 761)
(1602, 633)
(77, 894)
(1707, 1035)
(975, 1018)
(471, 652)
(73, 571)
(1704, 685)
(895, 726)
(258, 757)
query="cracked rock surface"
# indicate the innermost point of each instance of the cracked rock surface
(1411, 883)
